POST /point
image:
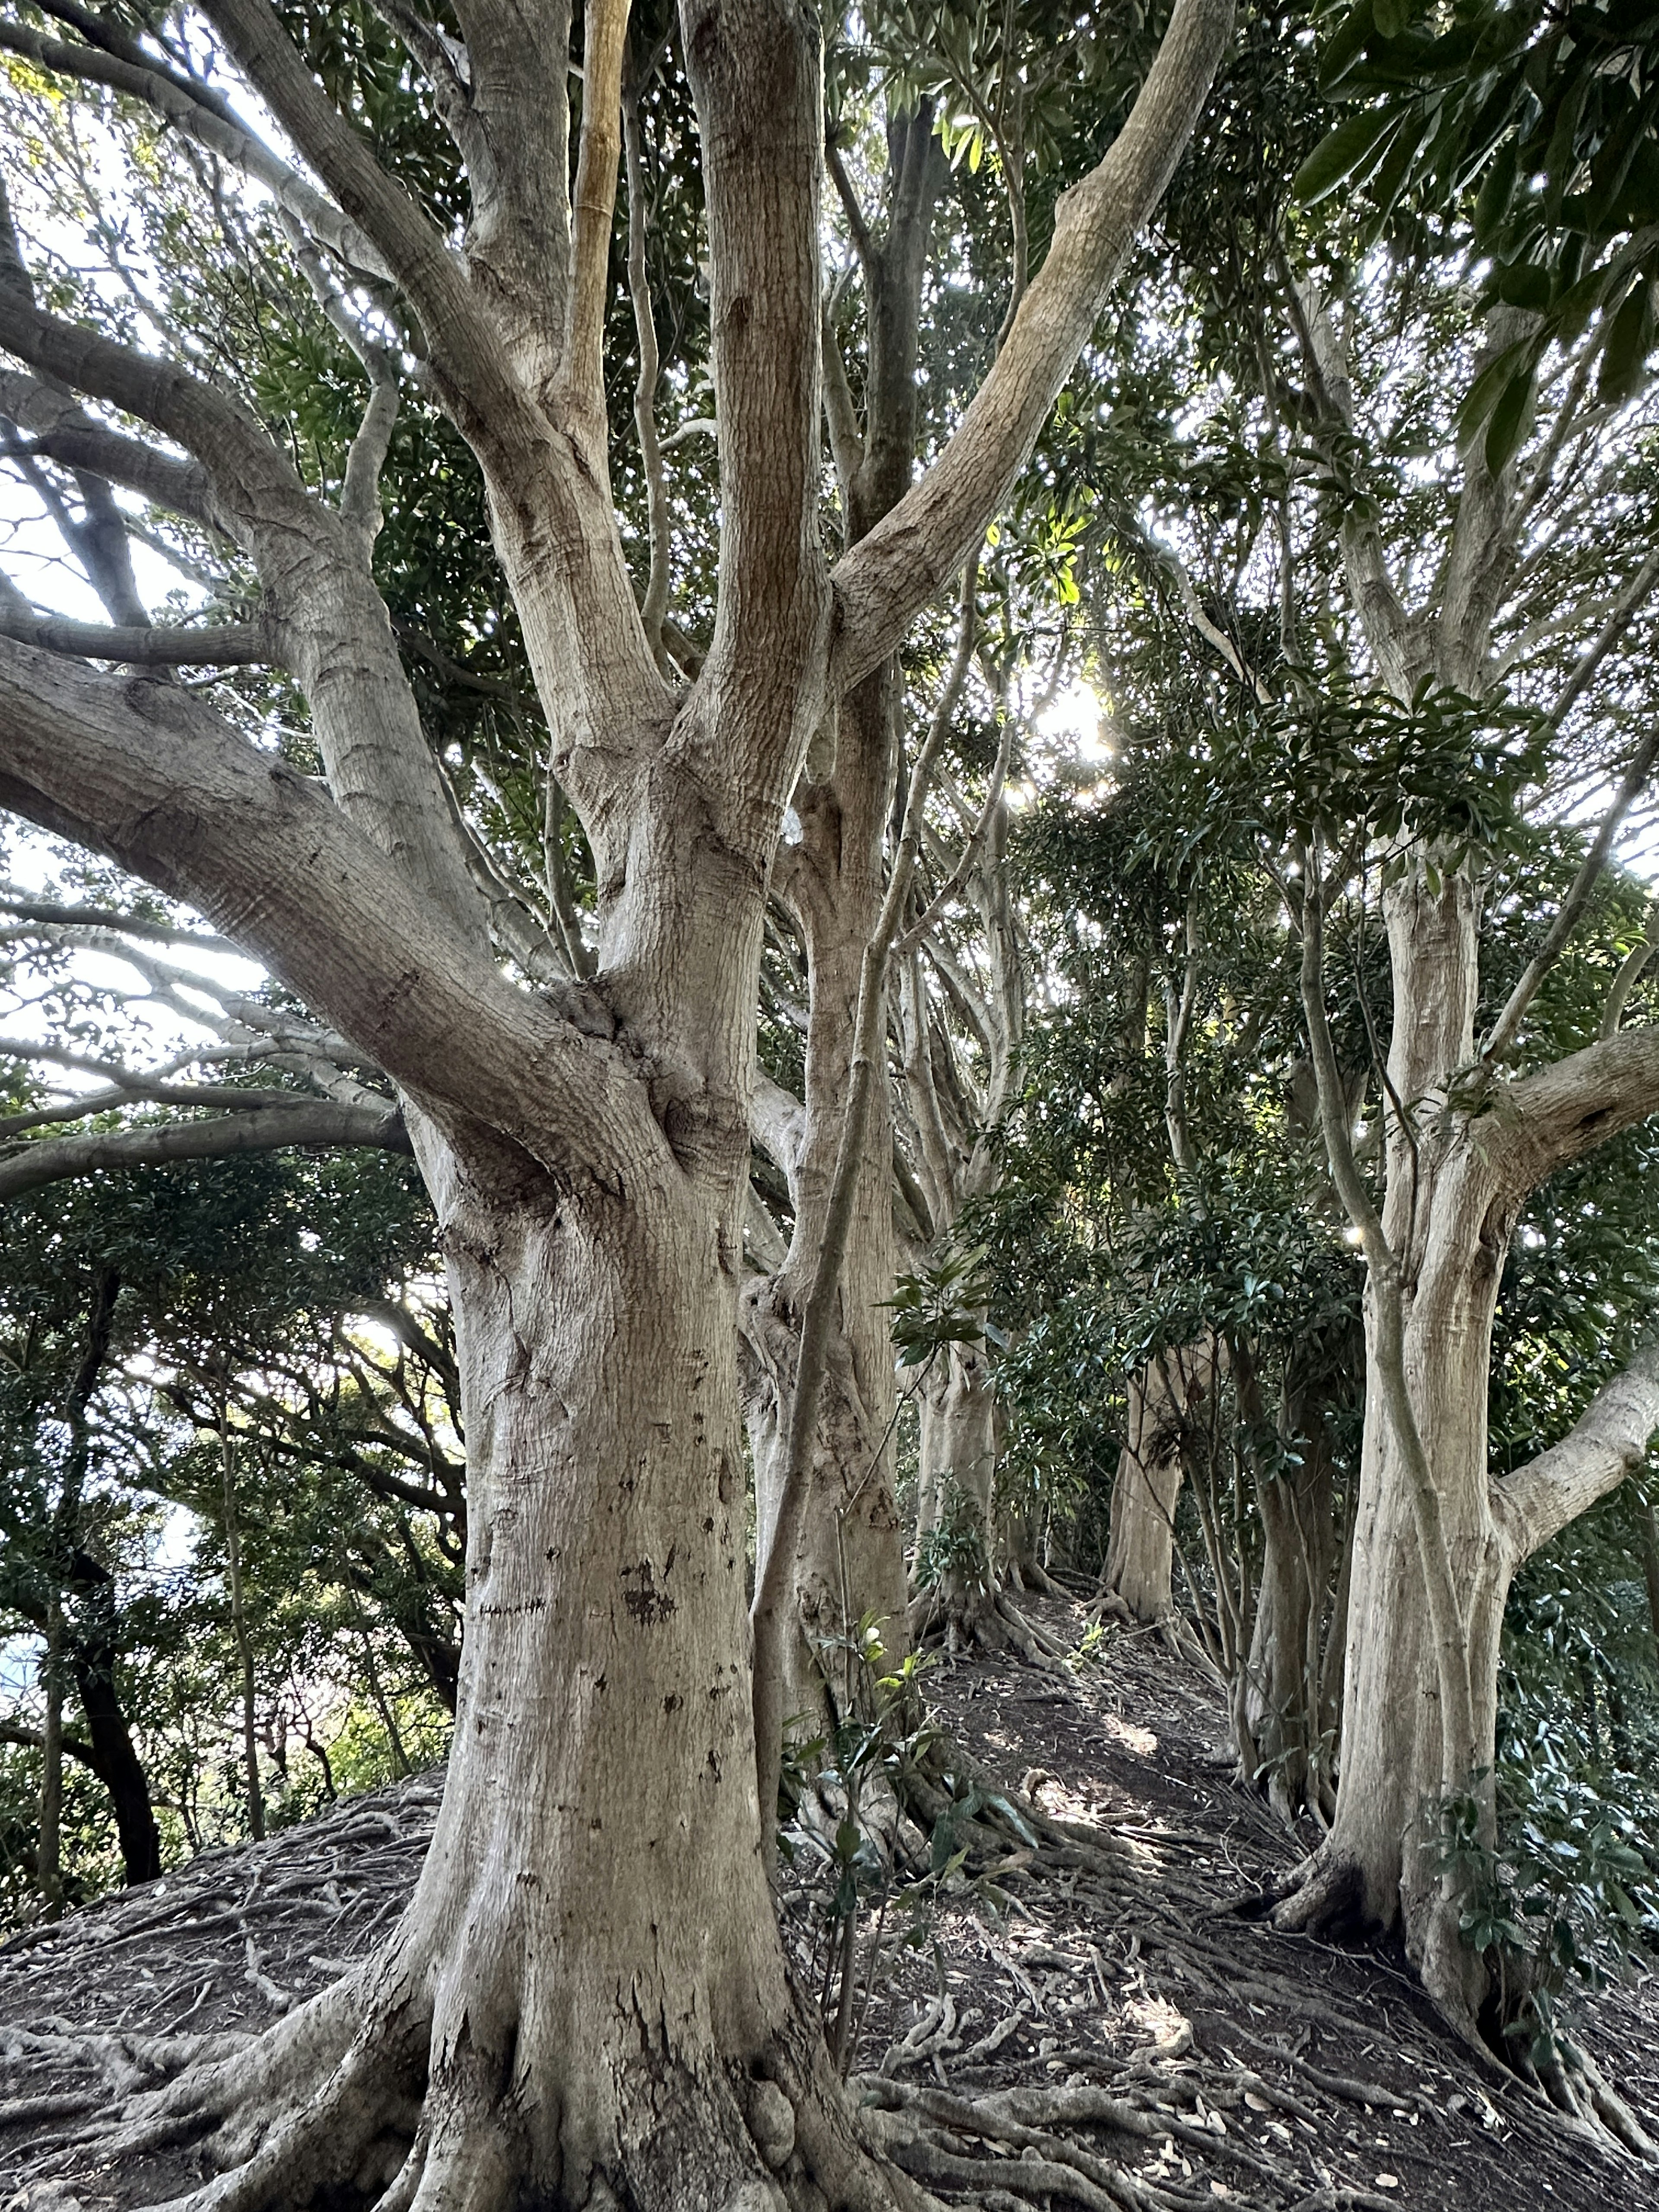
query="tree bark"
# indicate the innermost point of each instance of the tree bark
(1287, 1713)
(112, 1755)
(1455, 1184)
(1141, 1537)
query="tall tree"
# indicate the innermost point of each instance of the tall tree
(586, 1995)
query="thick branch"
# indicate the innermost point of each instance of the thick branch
(1548, 1119)
(756, 72)
(268, 1129)
(464, 355)
(888, 577)
(153, 777)
(232, 644)
(1608, 1441)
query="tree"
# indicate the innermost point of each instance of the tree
(587, 1994)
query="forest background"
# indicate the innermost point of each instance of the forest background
(1298, 700)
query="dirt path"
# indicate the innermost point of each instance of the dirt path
(1111, 2034)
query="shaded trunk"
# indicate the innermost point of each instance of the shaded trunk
(957, 1466)
(1289, 1709)
(1140, 1541)
(92, 1659)
(850, 1558)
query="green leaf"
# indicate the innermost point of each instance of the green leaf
(1524, 284)
(1341, 154)
(1627, 348)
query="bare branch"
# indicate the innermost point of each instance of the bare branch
(863, 244)
(840, 415)
(195, 114)
(61, 430)
(952, 886)
(318, 1124)
(98, 917)
(230, 645)
(1632, 969)
(893, 573)
(1606, 637)
(1507, 1026)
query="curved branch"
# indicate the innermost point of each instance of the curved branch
(60, 429)
(1608, 1441)
(153, 777)
(268, 1129)
(893, 573)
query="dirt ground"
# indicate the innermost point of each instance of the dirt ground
(1101, 2005)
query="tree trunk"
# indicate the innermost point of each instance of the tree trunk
(1284, 1718)
(588, 1988)
(850, 1559)
(959, 1457)
(1448, 1221)
(1140, 1539)
(92, 1657)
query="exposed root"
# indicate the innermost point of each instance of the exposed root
(1322, 1897)
(1575, 2085)
(921, 2130)
(985, 1621)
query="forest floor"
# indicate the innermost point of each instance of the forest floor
(1113, 2013)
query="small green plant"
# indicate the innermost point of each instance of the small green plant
(1566, 1896)
(942, 1303)
(952, 1555)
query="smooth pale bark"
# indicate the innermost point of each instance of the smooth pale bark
(1455, 1190)
(1437, 1542)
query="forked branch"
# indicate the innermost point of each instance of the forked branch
(892, 574)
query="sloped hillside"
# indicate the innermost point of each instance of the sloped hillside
(1087, 2024)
